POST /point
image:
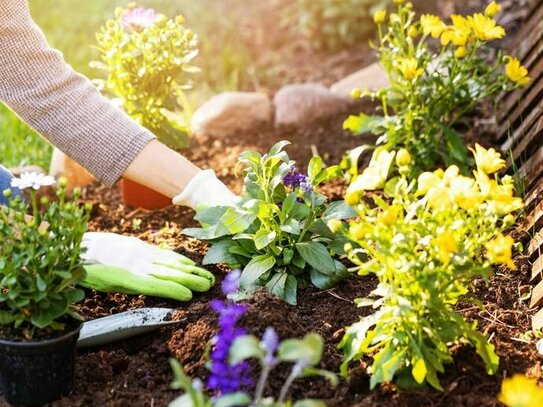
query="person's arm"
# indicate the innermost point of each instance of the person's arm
(68, 111)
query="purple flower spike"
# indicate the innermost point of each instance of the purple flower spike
(296, 179)
(138, 19)
(270, 341)
(230, 284)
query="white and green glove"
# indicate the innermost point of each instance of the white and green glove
(124, 264)
(205, 189)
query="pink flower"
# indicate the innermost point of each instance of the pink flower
(138, 19)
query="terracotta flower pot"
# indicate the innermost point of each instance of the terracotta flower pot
(138, 196)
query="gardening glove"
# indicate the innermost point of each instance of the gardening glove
(205, 189)
(123, 264)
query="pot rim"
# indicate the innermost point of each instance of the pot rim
(45, 342)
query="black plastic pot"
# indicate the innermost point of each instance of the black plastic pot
(37, 373)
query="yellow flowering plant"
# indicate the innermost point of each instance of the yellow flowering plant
(520, 391)
(426, 240)
(438, 72)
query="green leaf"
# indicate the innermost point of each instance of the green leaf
(317, 256)
(326, 281)
(328, 174)
(419, 371)
(277, 147)
(6, 318)
(330, 376)
(233, 400)
(219, 252)
(245, 347)
(289, 203)
(277, 284)
(234, 221)
(263, 238)
(207, 233)
(256, 268)
(210, 215)
(291, 288)
(315, 167)
(292, 226)
(455, 146)
(338, 210)
(309, 348)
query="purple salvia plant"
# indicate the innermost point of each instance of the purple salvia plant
(225, 378)
(296, 179)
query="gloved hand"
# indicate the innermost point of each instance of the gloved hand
(205, 189)
(128, 265)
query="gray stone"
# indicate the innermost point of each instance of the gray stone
(300, 104)
(372, 78)
(230, 113)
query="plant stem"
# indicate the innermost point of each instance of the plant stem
(261, 383)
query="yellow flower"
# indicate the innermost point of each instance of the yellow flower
(488, 161)
(398, 1)
(432, 25)
(450, 174)
(352, 197)
(335, 225)
(498, 251)
(485, 28)
(492, 9)
(501, 200)
(519, 391)
(380, 16)
(409, 68)
(447, 245)
(460, 52)
(376, 174)
(516, 72)
(356, 231)
(465, 193)
(390, 216)
(427, 181)
(413, 32)
(439, 198)
(395, 18)
(403, 157)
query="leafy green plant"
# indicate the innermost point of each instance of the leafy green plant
(426, 240)
(40, 259)
(278, 232)
(147, 58)
(305, 354)
(432, 89)
(332, 24)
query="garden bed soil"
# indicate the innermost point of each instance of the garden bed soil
(136, 372)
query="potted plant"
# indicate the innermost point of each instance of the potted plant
(40, 264)
(147, 59)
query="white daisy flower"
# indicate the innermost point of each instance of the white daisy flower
(33, 180)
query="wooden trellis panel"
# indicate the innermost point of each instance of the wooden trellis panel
(520, 134)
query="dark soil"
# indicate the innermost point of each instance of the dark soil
(136, 372)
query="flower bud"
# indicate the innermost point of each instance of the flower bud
(7, 193)
(413, 32)
(380, 16)
(460, 52)
(509, 220)
(63, 182)
(352, 197)
(179, 20)
(403, 158)
(44, 200)
(398, 1)
(492, 9)
(356, 231)
(356, 93)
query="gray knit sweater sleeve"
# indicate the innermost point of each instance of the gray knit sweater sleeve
(60, 104)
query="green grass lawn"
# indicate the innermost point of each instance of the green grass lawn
(70, 26)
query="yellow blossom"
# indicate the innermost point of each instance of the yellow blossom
(488, 161)
(439, 198)
(380, 16)
(413, 32)
(356, 93)
(390, 216)
(376, 174)
(409, 68)
(398, 1)
(450, 174)
(395, 18)
(432, 25)
(356, 231)
(403, 157)
(485, 28)
(446, 245)
(460, 52)
(498, 251)
(426, 181)
(516, 72)
(335, 225)
(492, 9)
(352, 197)
(465, 193)
(519, 391)
(458, 33)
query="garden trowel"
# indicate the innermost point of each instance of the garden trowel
(124, 325)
